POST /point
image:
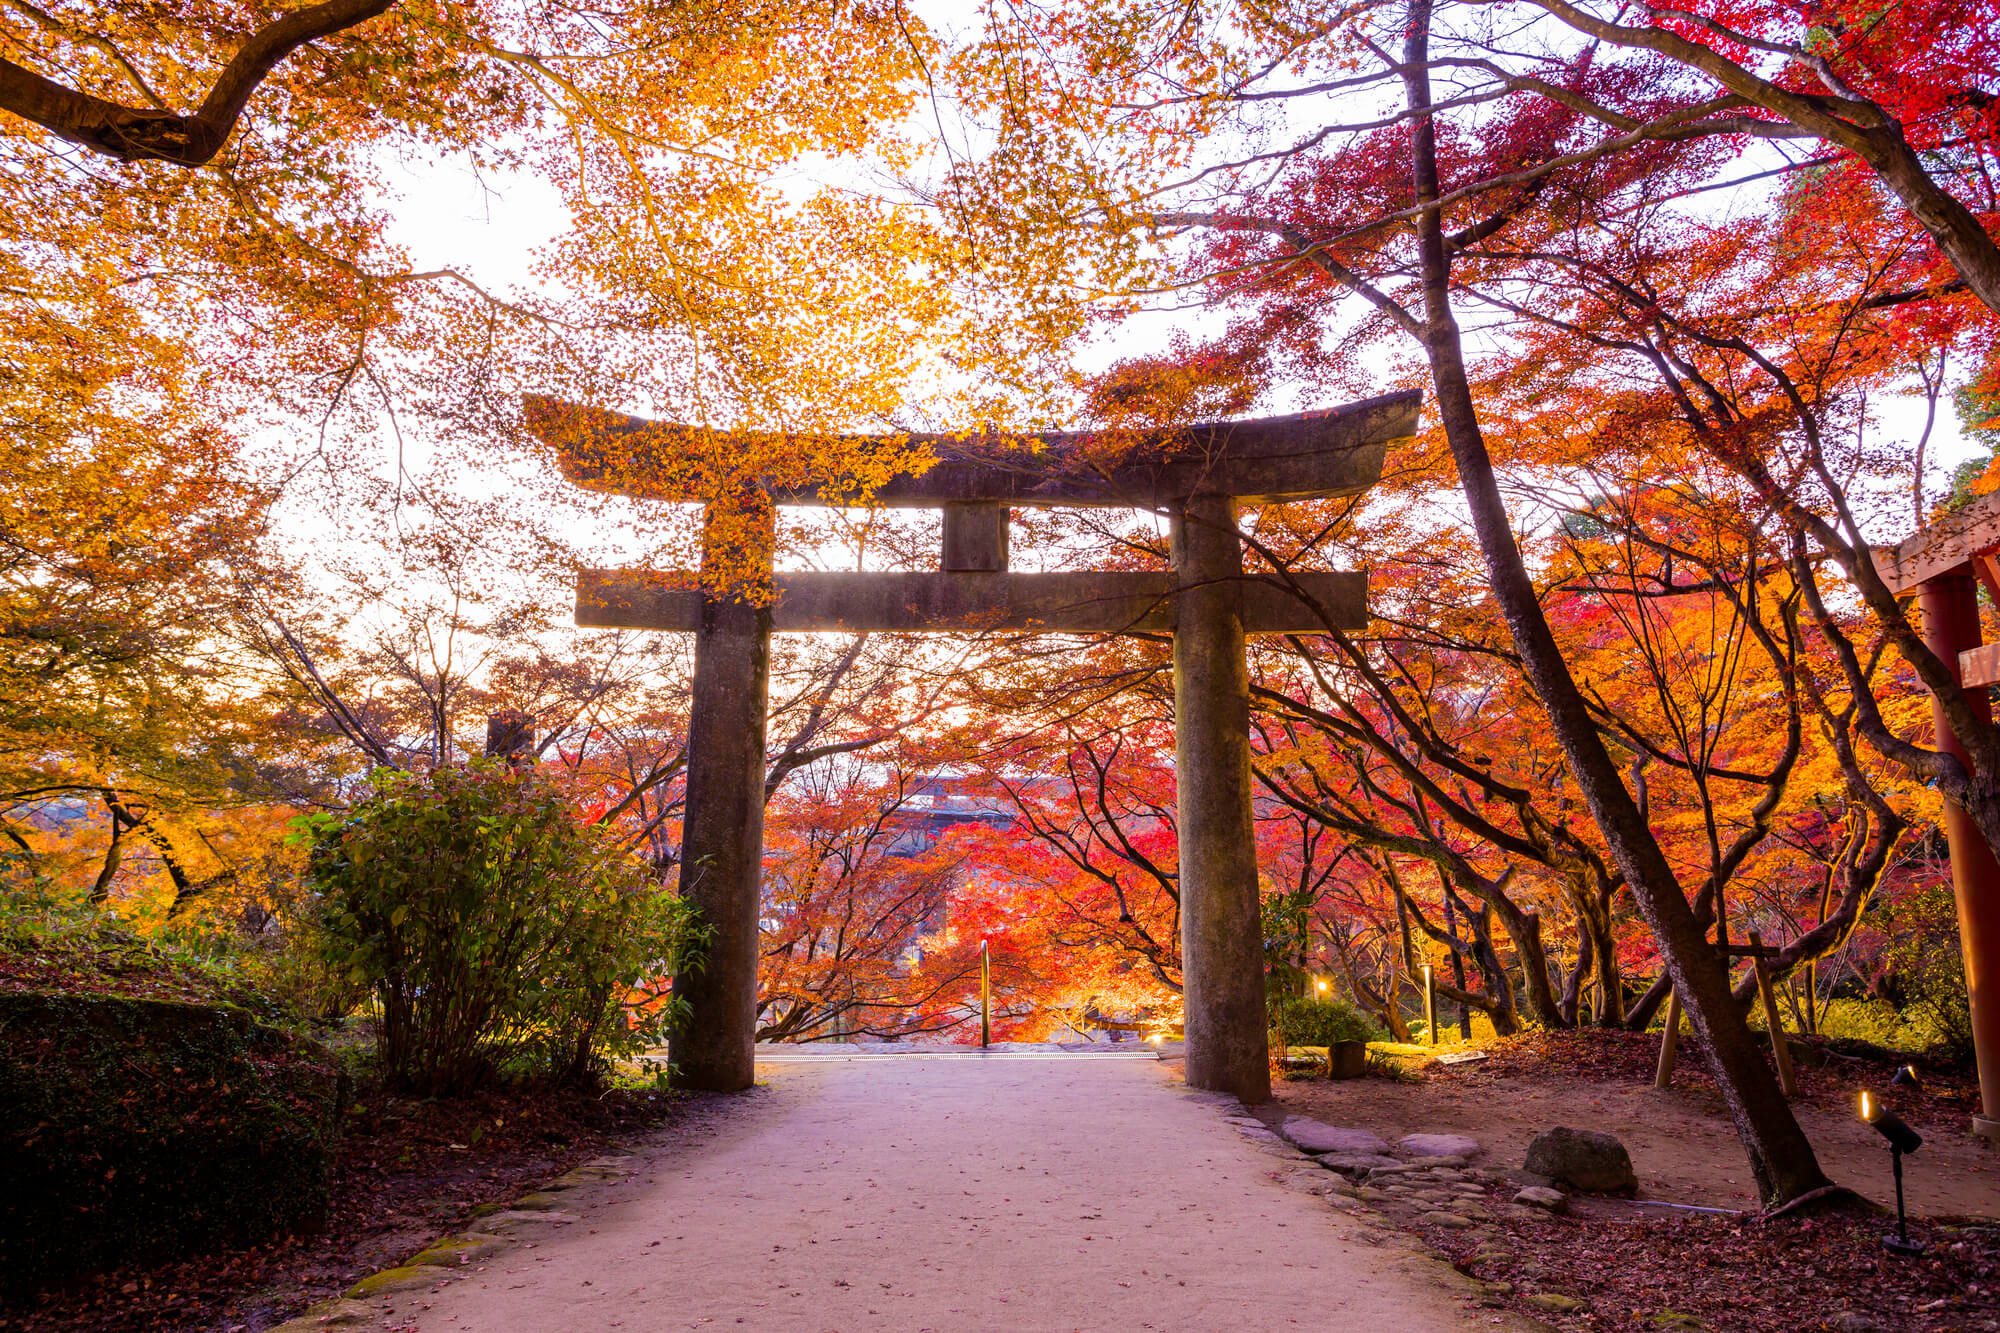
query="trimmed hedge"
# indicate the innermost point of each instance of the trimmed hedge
(137, 1129)
(1316, 1022)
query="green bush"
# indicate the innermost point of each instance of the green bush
(1926, 966)
(136, 1128)
(495, 930)
(1299, 1021)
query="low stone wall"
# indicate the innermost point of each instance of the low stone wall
(145, 1129)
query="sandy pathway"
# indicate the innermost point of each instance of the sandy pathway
(948, 1193)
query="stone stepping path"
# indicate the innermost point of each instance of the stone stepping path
(1423, 1181)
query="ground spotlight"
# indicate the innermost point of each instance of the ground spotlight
(1902, 1139)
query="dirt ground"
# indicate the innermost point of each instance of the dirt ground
(1681, 1142)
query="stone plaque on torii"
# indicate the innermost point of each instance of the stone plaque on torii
(1198, 476)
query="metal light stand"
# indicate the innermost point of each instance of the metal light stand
(1900, 1243)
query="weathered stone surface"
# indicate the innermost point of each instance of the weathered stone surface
(1317, 1137)
(507, 1221)
(329, 1314)
(453, 1251)
(539, 1201)
(406, 1278)
(1438, 1145)
(1553, 1302)
(1449, 1221)
(1541, 1196)
(1856, 1321)
(1354, 1164)
(1222, 1101)
(1583, 1158)
(1310, 1182)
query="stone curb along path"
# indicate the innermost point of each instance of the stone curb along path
(1429, 1184)
(496, 1227)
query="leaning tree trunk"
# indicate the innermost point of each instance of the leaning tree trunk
(1781, 1157)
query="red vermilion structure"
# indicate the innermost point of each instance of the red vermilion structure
(1944, 565)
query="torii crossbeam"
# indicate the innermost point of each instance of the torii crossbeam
(1197, 475)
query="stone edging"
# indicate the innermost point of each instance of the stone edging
(1378, 1196)
(494, 1228)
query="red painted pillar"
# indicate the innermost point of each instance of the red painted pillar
(1950, 605)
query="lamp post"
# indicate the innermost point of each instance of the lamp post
(1902, 1139)
(985, 995)
(1430, 1005)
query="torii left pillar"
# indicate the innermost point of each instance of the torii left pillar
(722, 842)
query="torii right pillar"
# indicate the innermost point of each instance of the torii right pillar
(1945, 564)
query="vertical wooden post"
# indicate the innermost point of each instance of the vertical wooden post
(722, 842)
(1222, 939)
(985, 994)
(1781, 1051)
(1430, 1005)
(1457, 965)
(1664, 1076)
(1950, 605)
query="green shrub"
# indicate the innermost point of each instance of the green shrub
(136, 1128)
(495, 930)
(1926, 966)
(1299, 1021)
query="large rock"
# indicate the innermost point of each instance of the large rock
(1583, 1159)
(1314, 1136)
(137, 1130)
(1438, 1145)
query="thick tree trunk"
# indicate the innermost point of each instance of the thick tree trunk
(1781, 1157)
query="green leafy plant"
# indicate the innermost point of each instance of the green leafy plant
(1300, 1021)
(1926, 967)
(495, 929)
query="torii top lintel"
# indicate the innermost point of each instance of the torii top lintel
(1265, 460)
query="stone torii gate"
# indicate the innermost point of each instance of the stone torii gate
(1199, 476)
(1943, 565)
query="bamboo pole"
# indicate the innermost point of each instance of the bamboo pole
(1779, 1047)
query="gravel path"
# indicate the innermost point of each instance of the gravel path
(1008, 1191)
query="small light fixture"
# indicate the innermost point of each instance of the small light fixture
(1154, 1038)
(1323, 987)
(1902, 1139)
(1906, 1077)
